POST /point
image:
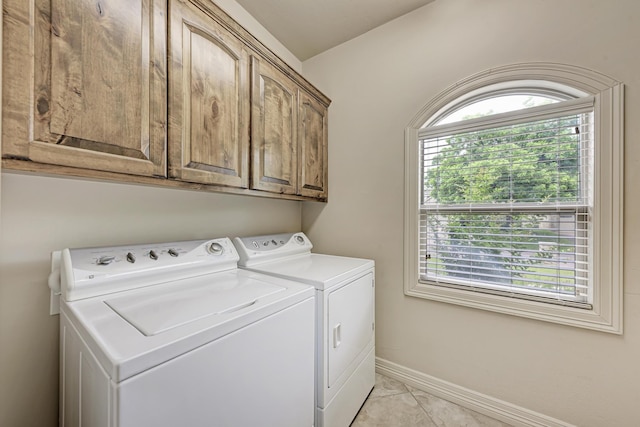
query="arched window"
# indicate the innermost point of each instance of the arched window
(513, 185)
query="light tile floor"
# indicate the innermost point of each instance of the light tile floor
(394, 404)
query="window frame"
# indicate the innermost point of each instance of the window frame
(572, 106)
(607, 219)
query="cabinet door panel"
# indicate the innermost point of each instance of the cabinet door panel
(97, 94)
(95, 88)
(312, 135)
(209, 101)
(273, 130)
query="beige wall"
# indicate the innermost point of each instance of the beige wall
(258, 31)
(42, 214)
(378, 82)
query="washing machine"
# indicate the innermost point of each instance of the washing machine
(345, 327)
(176, 335)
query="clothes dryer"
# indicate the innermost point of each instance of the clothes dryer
(345, 328)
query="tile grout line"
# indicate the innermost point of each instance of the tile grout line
(422, 407)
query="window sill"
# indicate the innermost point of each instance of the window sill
(565, 315)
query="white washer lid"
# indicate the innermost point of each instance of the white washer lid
(124, 351)
(319, 270)
(162, 309)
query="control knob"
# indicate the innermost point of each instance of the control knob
(215, 248)
(300, 240)
(105, 260)
(131, 258)
(153, 255)
(173, 252)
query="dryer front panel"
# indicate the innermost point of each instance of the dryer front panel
(350, 325)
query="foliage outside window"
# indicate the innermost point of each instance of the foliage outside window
(518, 209)
(505, 208)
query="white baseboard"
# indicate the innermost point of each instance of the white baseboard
(487, 405)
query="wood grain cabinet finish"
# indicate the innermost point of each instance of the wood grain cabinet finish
(113, 90)
(85, 84)
(288, 135)
(209, 97)
(274, 129)
(312, 147)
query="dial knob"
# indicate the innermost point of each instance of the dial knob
(215, 248)
(153, 255)
(131, 258)
(300, 240)
(173, 252)
(105, 260)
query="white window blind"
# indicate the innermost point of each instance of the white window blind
(506, 202)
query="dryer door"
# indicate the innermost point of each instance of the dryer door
(350, 325)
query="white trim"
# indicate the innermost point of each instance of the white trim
(556, 207)
(582, 80)
(541, 112)
(518, 87)
(467, 398)
(607, 312)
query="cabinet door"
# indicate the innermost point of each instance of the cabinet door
(85, 84)
(274, 154)
(208, 100)
(312, 146)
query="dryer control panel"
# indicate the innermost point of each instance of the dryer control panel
(259, 249)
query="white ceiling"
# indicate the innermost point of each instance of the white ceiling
(309, 27)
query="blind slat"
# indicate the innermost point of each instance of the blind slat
(507, 207)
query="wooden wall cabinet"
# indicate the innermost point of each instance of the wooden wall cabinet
(209, 103)
(313, 145)
(288, 135)
(85, 87)
(274, 130)
(85, 84)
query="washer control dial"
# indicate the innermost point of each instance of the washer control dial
(300, 240)
(105, 260)
(131, 257)
(215, 248)
(153, 255)
(173, 253)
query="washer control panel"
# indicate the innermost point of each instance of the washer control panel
(88, 272)
(130, 257)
